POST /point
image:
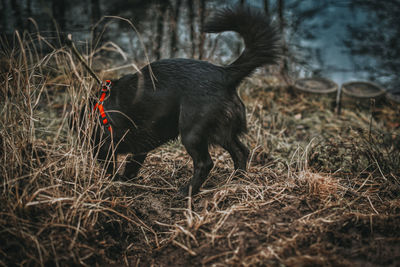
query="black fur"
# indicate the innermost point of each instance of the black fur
(194, 99)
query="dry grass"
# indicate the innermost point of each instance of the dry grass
(320, 189)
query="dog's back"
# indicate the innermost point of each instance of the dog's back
(193, 98)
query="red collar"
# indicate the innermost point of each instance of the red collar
(105, 90)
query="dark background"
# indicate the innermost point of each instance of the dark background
(339, 39)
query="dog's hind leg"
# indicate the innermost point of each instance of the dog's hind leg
(197, 147)
(239, 153)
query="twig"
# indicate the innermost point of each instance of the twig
(81, 59)
(191, 252)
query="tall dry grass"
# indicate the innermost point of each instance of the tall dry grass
(312, 176)
(55, 198)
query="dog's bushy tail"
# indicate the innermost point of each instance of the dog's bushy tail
(260, 34)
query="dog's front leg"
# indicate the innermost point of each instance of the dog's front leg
(133, 165)
(108, 162)
(202, 163)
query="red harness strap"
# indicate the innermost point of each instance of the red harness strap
(105, 90)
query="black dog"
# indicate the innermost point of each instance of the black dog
(194, 99)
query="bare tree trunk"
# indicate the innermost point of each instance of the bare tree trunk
(266, 6)
(28, 14)
(174, 28)
(3, 13)
(281, 8)
(285, 65)
(202, 11)
(160, 27)
(94, 18)
(17, 14)
(242, 2)
(95, 10)
(58, 8)
(29, 8)
(191, 25)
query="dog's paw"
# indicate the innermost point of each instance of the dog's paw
(188, 190)
(119, 177)
(123, 178)
(184, 191)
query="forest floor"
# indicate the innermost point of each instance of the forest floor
(315, 193)
(320, 190)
